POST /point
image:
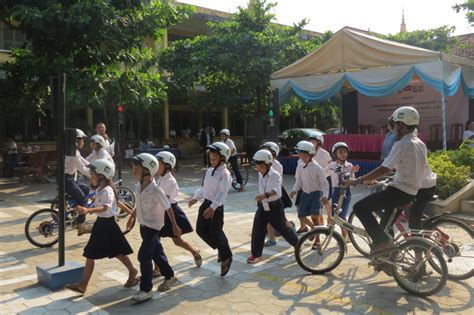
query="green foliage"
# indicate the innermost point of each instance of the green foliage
(99, 44)
(327, 113)
(452, 176)
(234, 63)
(437, 39)
(464, 156)
(467, 6)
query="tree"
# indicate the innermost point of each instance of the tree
(468, 6)
(99, 44)
(437, 39)
(234, 63)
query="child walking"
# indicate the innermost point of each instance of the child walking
(214, 191)
(311, 180)
(106, 238)
(167, 182)
(151, 204)
(269, 206)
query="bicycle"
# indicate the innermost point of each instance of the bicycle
(42, 226)
(323, 248)
(244, 172)
(456, 238)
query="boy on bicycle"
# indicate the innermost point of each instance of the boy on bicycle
(409, 157)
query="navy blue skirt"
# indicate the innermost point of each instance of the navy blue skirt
(181, 219)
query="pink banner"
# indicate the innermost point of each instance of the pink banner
(374, 111)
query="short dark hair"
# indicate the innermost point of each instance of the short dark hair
(467, 124)
(100, 123)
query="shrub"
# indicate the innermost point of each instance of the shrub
(451, 177)
(463, 157)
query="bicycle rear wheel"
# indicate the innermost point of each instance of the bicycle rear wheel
(457, 246)
(420, 268)
(323, 258)
(126, 196)
(244, 172)
(41, 228)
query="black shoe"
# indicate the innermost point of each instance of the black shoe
(225, 266)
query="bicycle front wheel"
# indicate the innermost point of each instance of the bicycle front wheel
(420, 268)
(126, 196)
(41, 228)
(244, 172)
(456, 243)
(360, 243)
(320, 251)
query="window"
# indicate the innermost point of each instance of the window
(10, 39)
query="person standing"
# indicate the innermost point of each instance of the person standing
(12, 157)
(110, 144)
(205, 140)
(388, 141)
(468, 134)
(225, 137)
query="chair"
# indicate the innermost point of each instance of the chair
(369, 129)
(435, 132)
(457, 131)
(361, 129)
(35, 168)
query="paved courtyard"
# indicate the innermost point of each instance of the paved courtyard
(273, 286)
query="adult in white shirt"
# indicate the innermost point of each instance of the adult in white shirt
(102, 131)
(409, 157)
(269, 206)
(225, 137)
(99, 152)
(151, 205)
(468, 134)
(77, 190)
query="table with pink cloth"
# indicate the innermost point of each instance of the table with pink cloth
(370, 143)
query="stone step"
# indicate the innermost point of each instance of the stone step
(467, 206)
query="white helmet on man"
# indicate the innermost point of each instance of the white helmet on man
(338, 145)
(147, 161)
(272, 146)
(220, 147)
(99, 140)
(103, 167)
(262, 156)
(167, 158)
(407, 115)
(225, 132)
(80, 134)
(305, 147)
(317, 136)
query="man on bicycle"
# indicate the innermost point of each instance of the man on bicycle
(409, 157)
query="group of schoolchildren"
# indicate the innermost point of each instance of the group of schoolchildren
(159, 215)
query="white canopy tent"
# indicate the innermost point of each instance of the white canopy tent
(374, 67)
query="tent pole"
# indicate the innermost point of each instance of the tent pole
(443, 119)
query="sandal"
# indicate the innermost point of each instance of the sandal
(75, 287)
(198, 259)
(131, 283)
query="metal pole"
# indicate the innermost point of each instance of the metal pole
(119, 150)
(443, 118)
(59, 99)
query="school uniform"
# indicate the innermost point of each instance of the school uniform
(214, 192)
(77, 190)
(151, 204)
(270, 210)
(106, 240)
(311, 180)
(324, 158)
(233, 159)
(170, 187)
(409, 157)
(102, 154)
(338, 172)
(276, 165)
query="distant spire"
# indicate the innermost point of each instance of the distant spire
(403, 27)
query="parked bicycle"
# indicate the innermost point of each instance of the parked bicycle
(417, 263)
(456, 238)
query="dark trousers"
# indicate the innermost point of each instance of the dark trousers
(205, 158)
(387, 199)
(276, 217)
(78, 191)
(151, 250)
(235, 168)
(416, 212)
(12, 162)
(210, 230)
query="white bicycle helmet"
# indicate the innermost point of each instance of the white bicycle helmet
(103, 167)
(80, 134)
(305, 147)
(272, 146)
(99, 140)
(317, 136)
(222, 148)
(225, 132)
(407, 115)
(147, 161)
(338, 145)
(167, 158)
(262, 156)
